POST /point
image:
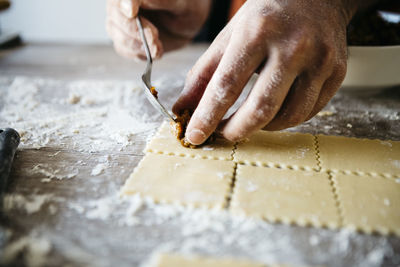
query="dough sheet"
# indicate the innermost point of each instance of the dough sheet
(166, 143)
(178, 180)
(360, 156)
(275, 149)
(293, 178)
(280, 195)
(370, 204)
(175, 260)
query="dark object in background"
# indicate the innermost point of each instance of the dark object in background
(373, 30)
(4, 4)
(9, 141)
(372, 27)
(216, 21)
(8, 39)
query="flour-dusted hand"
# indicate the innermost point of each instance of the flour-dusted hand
(299, 48)
(168, 24)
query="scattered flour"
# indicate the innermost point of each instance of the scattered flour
(208, 148)
(325, 113)
(30, 205)
(98, 169)
(94, 115)
(35, 250)
(102, 208)
(396, 163)
(251, 187)
(50, 174)
(386, 143)
(74, 99)
(76, 207)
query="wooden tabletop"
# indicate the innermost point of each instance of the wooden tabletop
(66, 227)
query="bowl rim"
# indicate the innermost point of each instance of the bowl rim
(376, 47)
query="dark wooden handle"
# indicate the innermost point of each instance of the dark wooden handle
(4, 4)
(9, 141)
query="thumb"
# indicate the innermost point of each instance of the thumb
(129, 8)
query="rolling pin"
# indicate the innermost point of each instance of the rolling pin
(9, 141)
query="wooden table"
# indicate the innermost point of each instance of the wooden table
(74, 238)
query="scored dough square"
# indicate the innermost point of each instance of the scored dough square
(165, 142)
(175, 260)
(283, 148)
(360, 155)
(369, 203)
(187, 181)
(288, 196)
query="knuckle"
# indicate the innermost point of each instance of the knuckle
(324, 59)
(196, 78)
(328, 51)
(327, 54)
(263, 111)
(304, 44)
(224, 89)
(341, 69)
(297, 49)
(334, 82)
(258, 114)
(223, 96)
(225, 80)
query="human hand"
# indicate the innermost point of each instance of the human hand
(299, 48)
(168, 24)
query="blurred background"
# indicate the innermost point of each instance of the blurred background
(77, 21)
(83, 22)
(56, 21)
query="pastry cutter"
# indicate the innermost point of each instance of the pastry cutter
(146, 77)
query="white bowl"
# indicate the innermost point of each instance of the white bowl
(372, 67)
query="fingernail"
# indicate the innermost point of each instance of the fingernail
(126, 8)
(195, 136)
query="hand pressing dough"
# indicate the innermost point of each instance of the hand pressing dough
(278, 148)
(186, 181)
(166, 143)
(359, 155)
(279, 195)
(370, 204)
(176, 260)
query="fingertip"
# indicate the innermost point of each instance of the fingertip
(233, 136)
(228, 132)
(129, 8)
(195, 136)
